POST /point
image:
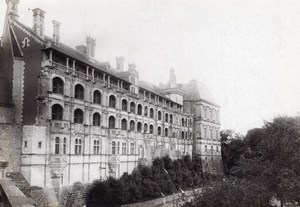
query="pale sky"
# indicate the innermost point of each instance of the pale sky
(246, 51)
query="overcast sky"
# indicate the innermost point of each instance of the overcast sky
(246, 51)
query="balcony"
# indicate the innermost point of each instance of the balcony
(58, 160)
(58, 126)
(114, 158)
(117, 133)
(96, 130)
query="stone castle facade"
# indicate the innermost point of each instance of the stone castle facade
(66, 117)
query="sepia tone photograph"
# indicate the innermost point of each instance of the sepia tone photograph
(149, 103)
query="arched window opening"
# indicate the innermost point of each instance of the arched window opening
(146, 111)
(171, 118)
(139, 127)
(132, 107)
(96, 119)
(191, 135)
(132, 126)
(166, 132)
(145, 128)
(79, 92)
(57, 145)
(124, 105)
(112, 101)
(78, 116)
(151, 113)
(124, 124)
(151, 129)
(182, 122)
(57, 112)
(58, 85)
(113, 148)
(182, 135)
(140, 109)
(166, 117)
(111, 122)
(97, 97)
(159, 130)
(159, 115)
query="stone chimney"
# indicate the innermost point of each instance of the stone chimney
(131, 67)
(38, 22)
(12, 9)
(132, 70)
(172, 80)
(120, 63)
(90, 47)
(56, 36)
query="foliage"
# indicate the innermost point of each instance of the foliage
(232, 146)
(231, 193)
(165, 176)
(263, 166)
(274, 159)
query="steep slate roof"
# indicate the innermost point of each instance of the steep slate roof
(197, 91)
(72, 52)
(151, 87)
(194, 90)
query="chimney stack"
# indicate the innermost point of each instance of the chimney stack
(56, 36)
(90, 47)
(38, 22)
(120, 63)
(12, 9)
(131, 67)
(172, 80)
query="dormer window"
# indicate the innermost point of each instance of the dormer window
(132, 80)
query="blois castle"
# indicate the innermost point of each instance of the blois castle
(66, 117)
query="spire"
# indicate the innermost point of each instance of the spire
(12, 9)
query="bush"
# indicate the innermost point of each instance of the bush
(164, 176)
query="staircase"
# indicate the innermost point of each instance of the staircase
(18, 179)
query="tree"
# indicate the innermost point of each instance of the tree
(232, 146)
(231, 193)
(274, 161)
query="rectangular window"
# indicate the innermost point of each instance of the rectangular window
(40, 144)
(65, 146)
(132, 89)
(131, 148)
(96, 147)
(78, 146)
(25, 144)
(211, 149)
(132, 80)
(123, 148)
(118, 150)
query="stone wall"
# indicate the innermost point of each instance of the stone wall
(11, 145)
